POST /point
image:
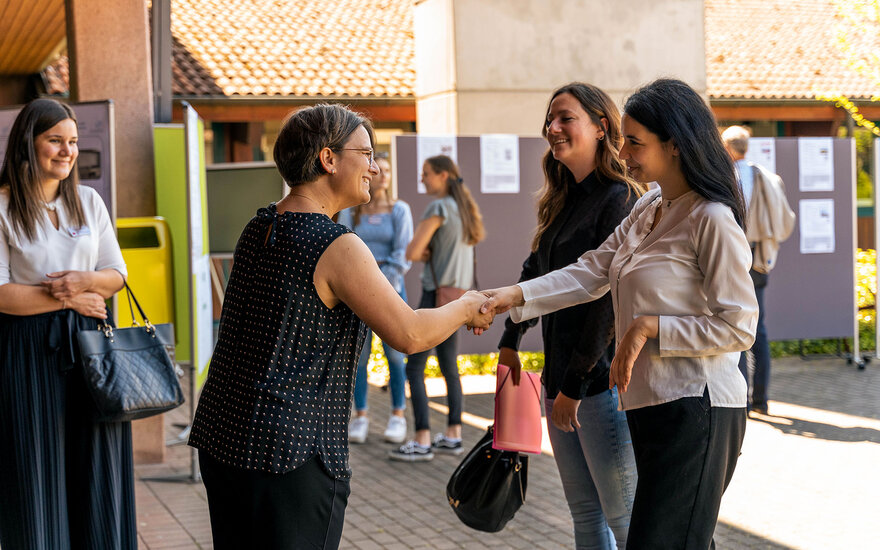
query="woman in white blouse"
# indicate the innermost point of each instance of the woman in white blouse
(65, 479)
(678, 271)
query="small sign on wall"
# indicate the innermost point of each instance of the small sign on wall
(499, 163)
(815, 164)
(816, 226)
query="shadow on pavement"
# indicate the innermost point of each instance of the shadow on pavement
(819, 430)
(730, 536)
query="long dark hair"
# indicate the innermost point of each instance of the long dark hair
(672, 110)
(471, 219)
(21, 171)
(609, 167)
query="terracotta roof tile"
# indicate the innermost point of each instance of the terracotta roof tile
(365, 48)
(298, 47)
(774, 49)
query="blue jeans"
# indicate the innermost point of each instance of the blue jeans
(396, 372)
(598, 471)
(761, 352)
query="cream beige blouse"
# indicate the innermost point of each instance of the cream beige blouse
(692, 270)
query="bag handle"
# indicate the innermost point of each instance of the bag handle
(131, 297)
(108, 330)
(529, 378)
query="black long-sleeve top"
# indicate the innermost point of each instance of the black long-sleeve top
(578, 341)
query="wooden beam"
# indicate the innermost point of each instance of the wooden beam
(789, 112)
(233, 111)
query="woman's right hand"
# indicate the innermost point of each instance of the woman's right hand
(510, 358)
(88, 304)
(477, 318)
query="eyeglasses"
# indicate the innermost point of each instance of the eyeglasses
(371, 152)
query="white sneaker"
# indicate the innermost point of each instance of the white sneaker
(357, 429)
(396, 430)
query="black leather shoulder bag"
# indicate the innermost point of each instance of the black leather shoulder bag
(128, 370)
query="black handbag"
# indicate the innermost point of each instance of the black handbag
(489, 486)
(128, 370)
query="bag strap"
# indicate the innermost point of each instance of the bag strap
(476, 282)
(131, 297)
(433, 273)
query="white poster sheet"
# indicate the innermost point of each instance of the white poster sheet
(815, 164)
(499, 163)
(762, 151)
(431, 146)
(816, 218)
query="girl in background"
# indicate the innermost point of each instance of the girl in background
(386, 227)
(444, 240)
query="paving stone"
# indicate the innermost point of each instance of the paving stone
(804, 480)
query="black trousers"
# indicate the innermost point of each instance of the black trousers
(299, 510)
(686, 451)
(447, 357)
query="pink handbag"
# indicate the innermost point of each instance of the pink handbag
(517, 412)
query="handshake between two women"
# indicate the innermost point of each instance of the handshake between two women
(490, 303)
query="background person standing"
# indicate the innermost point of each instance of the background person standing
(769, 221)
(386, 227)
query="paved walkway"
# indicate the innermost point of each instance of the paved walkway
(808, 478)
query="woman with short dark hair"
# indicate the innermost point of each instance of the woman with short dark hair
(272, 419)
(678, 271)
(66, 479)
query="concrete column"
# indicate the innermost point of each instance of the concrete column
(109, 48)
(487, 66)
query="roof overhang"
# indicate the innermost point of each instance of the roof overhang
(801, 109)
(32, 35)
(220, 108)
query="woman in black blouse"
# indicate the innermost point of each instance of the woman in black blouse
(586, 194)
(272, 419)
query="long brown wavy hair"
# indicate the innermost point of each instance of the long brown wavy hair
(609, 167)
(21, 171)
(471, 219)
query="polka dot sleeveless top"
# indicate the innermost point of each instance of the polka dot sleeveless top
(280, 382)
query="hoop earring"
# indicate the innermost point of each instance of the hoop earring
(601, 138)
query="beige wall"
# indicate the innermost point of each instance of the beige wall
(495, 62)
(109, 49)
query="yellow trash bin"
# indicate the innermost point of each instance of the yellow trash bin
(146, 249)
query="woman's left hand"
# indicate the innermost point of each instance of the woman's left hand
(64, 285)
(565, 413)
(628, 349)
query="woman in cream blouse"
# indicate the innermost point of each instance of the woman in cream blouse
(677, 269)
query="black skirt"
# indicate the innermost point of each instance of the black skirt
(66, 481)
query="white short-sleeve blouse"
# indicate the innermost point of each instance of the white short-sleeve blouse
(92, 247)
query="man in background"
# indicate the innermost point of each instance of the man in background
(769, 221)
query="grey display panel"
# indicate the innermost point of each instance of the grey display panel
(235, 192)
(510, 221)
(808, 296)
(813, 295)
(95, 163)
